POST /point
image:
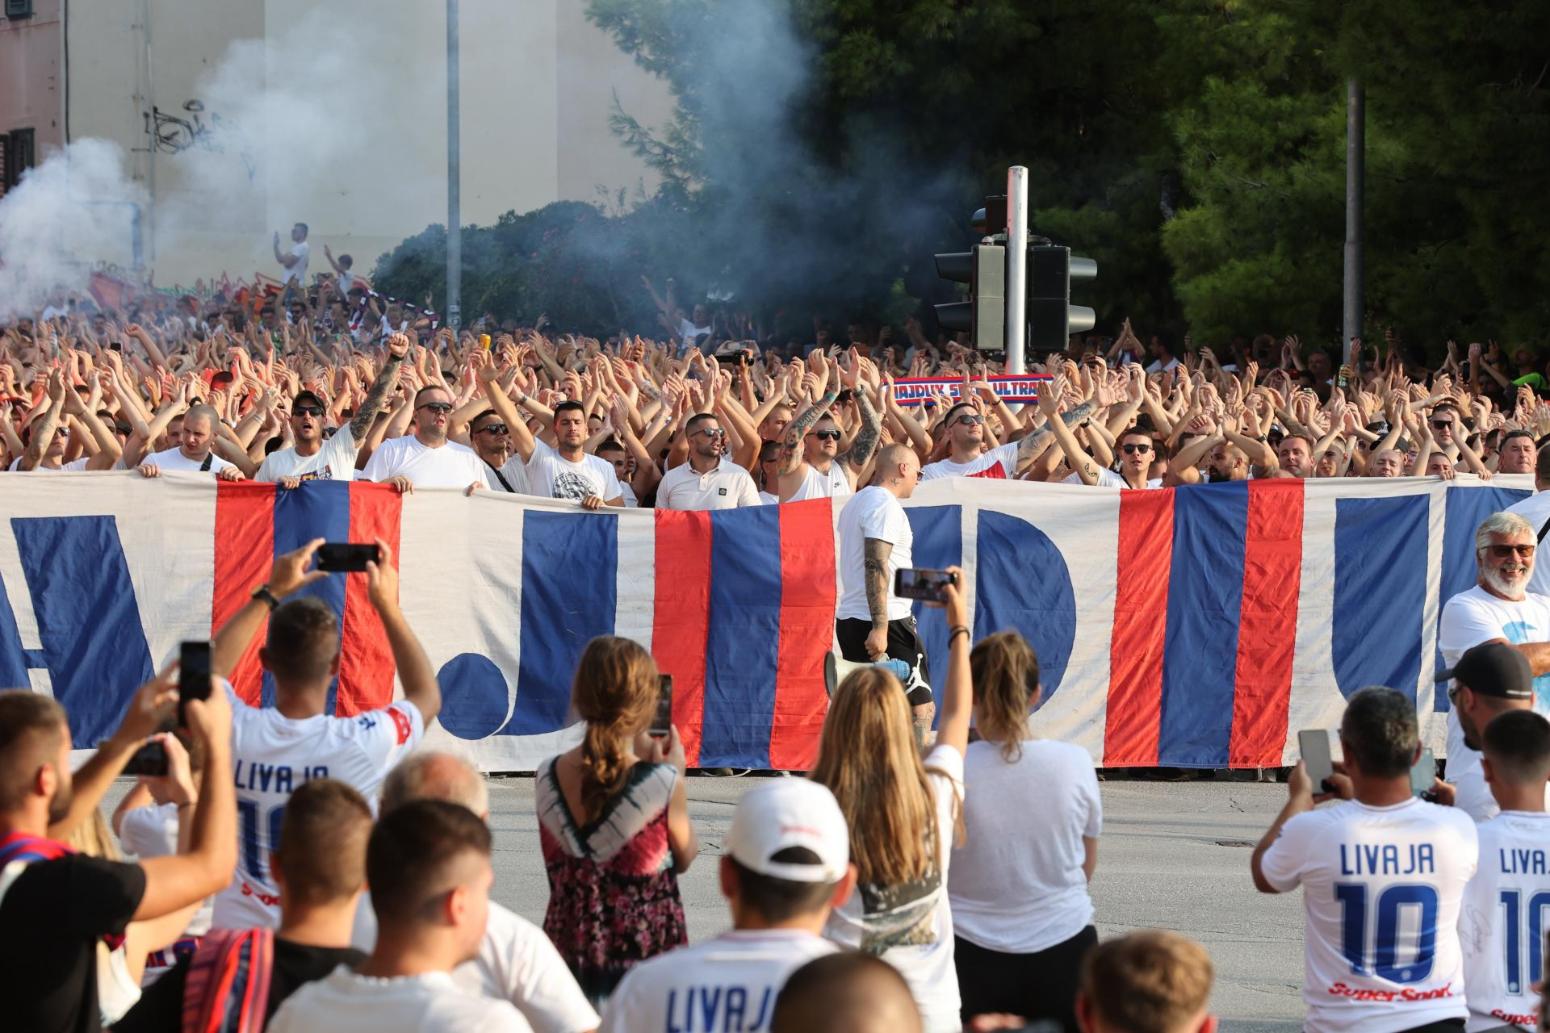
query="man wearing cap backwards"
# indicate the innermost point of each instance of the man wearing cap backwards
(1498, 609)
(1489, 679)
(787, 864)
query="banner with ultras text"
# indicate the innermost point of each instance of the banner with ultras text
(1194, 627)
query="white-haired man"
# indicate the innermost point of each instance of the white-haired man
(1498, 609)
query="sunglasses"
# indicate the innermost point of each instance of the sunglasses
(1442, 424)
(826, 435)
(1501, 552)
(717, 432)
(1132, 449)
(437, 407)
(971, 420)
(494, 428)
(307, 410)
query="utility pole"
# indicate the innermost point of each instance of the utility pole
(1016, 265)
(454, 177)
(1355, 176)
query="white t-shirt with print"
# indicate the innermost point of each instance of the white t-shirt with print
(1506, 915)
(449, 466)
(174, 459)
(927, 961)
(727, 983)
(552, 476)
(1468, 619)
(998, 463)
(273, 754)
(873, 512)
(1382, 892)
(344, 1002)
(1017, 885)
(335, 461)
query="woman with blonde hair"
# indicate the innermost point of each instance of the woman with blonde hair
(1023, 916)
(613, 822)
(902, 812)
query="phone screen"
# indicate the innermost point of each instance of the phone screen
(662, 720)
(346, 557)
(922, 583)
(1313, 744)
(193, 674)
(1424, 773)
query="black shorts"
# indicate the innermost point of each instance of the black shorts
(903, 644)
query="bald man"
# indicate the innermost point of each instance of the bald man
(516, 961)
(201, 425)
(848, 992)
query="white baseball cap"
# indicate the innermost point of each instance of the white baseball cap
(784, 813)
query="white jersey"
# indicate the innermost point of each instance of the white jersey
(997, 464)
(335, 461)
(273, 754)
(1382, 891)
(552, 476)
(728, 983)
(449, 465)
(1503, 926)
(1468, 619)
(832, 485)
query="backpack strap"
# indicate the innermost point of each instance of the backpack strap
(1544, 530)
(227, 989)
(204, 467)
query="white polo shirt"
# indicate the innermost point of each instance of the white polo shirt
(449, 466)
(724, 486)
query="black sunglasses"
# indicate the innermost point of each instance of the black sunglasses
(1132, 449)
(493, 428)
(440, 407)
(307, 410)
(826, 435)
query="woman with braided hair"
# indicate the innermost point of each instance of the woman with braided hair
(613, 822)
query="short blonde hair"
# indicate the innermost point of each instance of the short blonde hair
(1150, 981)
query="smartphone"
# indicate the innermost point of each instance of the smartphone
(1313, 744)
(662, 721)
(347, 557)
(193, 674)
(150, 759)
(922, 583)
(1424, 773)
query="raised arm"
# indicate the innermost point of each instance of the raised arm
(288, 574)
(397, 350)
(958, 696)
(414, 667)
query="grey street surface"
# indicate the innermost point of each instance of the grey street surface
(1174, 856)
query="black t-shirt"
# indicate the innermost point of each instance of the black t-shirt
(51, 921)
(160, 1008)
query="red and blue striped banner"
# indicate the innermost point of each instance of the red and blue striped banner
(1195, 627)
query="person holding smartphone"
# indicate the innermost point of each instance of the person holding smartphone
(875, 541)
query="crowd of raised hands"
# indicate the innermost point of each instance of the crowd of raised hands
(94, 393)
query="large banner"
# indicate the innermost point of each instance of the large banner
(1196, 627)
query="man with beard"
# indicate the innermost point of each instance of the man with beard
(57, 906)
(195, 449)
(964, 426)
(426, 459)
(1498, 609)
(1295, 456)
(313, 458)
(708, 480)
(812, 466)
(1228, 455)
(567, 471)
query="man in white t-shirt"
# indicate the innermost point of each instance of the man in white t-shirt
(428, 866)
(871, 623)
(1383, 876)
(708, 480)
(1502, 928)
(294, 260)
(1488, 680)
(193, 452)
(787, 865)
(516, 960)
(49, 434)
(426, 459)
(333, 459)
(812, 466)
(566, 471)
(1498, 609)
(275, 749)
(1084, 468)
(964, 430)
(1536, 510)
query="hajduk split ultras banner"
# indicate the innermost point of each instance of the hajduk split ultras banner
(1193, 627)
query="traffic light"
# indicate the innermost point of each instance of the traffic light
(1052, 319)
(984, 314)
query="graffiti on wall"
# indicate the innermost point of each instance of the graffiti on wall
(175, 132)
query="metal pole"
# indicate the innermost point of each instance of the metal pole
(1016, 266)
(1355, 174)
(454, 175)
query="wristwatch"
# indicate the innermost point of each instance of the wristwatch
(263, 594)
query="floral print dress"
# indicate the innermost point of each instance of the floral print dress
(613, 897)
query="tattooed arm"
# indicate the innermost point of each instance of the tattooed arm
(875, 576)
(791, 457)
(865, 444)
(387, 377)
(1033, 445)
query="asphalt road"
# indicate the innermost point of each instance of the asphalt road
(1172, 855)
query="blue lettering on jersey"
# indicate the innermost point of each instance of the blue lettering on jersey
(368, 722)
(273, 778)
(1386, 859)
(1522, 862)
(718, 1009)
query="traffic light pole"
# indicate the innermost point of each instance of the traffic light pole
(1016, 265)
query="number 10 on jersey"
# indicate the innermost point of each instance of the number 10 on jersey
(1383, 917)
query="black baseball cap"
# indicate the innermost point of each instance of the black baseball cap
(307, 398)
(1493, 669)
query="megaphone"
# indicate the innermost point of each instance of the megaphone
(836, 670)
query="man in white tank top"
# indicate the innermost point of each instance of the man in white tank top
(813, 466)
